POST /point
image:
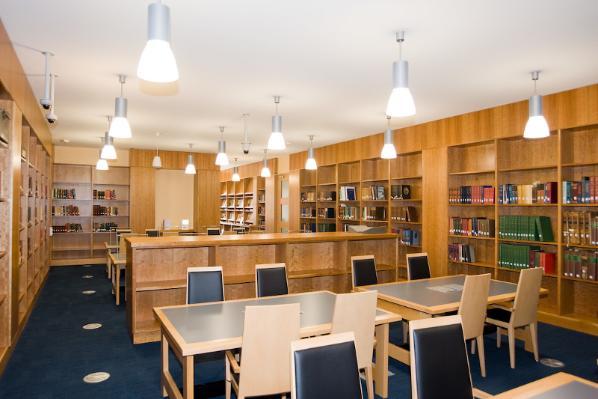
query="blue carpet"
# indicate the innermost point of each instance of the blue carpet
(55, 353)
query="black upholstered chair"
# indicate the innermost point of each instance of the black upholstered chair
(363, 270)
(271, 280)
(152, 233)
(417, 266)
(205, 284)
(213, 231)
(439, 363)
(325, 367)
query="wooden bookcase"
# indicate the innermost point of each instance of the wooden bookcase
(564, 155)
(101, 200)
(5, 226)
(242, 204)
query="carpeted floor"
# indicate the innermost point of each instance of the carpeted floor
(55, 353)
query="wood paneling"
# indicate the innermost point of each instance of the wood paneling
(172, 159)
(14, 80)
(142, 198)
(250, 170)
(206, 200)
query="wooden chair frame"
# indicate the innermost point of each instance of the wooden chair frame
(271, 266)
(415, 255)
(360, 257)
(196, 269)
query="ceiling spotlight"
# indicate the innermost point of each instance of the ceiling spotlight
(157, 63)
(276, 140)
(400, 102)
(536, 126)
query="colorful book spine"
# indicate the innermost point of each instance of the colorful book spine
(478, 195)
(474, 227)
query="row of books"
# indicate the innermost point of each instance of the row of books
(65, 210)
(474, 227)
(580, 228)
(584, 191)
(348, 212)
(99, 210)
(580, 264)
(375, 192)
(68, 228)
(403, 214)
(326, 226)
(308, 212)
(523, 227)
(326, 195)
(104, 227)
(513, 256)
(400, 191)
(308, 227)
(471, 195)
(373, 213)
(347, 193)
(409, 237)
(308, 196)
(536, 193)
(104, 194)
(64, 193)
(329, 213)
(461, 253)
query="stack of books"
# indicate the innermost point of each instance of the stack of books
(523, 194)
(525, 256)
(475, 227)
(403, 214)
(479, 195)
(408, 237)
(326, 226)
(374, 213)
(308, 212)
(461, 253)
(327, 196)
(348, 212)
(308, 196)
(374, 192)
(580, 228)
(64, 193)
(580, 264)
(400, 191)
(326, 213)
(347, 193)
(308, 227)
(67, 228)
(522, 227)
(99, 210)
(581, 192)
(104, 194)
(65, 210)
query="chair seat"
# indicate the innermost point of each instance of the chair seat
(499, 314)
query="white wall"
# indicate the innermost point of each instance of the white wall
(174, 197)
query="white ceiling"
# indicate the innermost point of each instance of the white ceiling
(329, 60)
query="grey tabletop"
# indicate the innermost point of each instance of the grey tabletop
(573, 389)
(438, 291)
(225, 319)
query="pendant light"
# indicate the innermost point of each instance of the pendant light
(310, 163)
(265, 169)
(190, 168)
(101, 164)
(246, 144)
(120, 127)
(108, 150)
(46, 100)
(388, 150)
(235, 177)
(157, 63)
(536, 126)
(221, 157)
(157, 161)
(276, 140)
(400, 102)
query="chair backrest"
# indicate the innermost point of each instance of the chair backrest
(417, 266)
(213, 231)
(474, 301)
(271, 279)
(325, 367)
(363, 270)
(356, 312)
(205, 284)
(527, 297)
(439, 363)
(152, 233)
(266, 352)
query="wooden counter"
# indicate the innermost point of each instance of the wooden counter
(157, 266)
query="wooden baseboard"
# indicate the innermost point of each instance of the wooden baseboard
(78, 261)
(572, 322)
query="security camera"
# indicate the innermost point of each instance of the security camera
(46, 103)
(245, 152)
(51, 117)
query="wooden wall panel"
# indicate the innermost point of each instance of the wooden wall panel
(250, 170)
(15, 155)
(14, 80)
(206, 200)
(172, 159)
(142, 198)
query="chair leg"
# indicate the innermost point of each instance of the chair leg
(473, 347)
(511, 333)
(405, 326)
(482, 355)
(369, 379)
(498, 337)
(533, 330)
(227, 380)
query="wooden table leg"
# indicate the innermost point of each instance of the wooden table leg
(165, 368)
(188, 384)
(117, 284)
(381, 368)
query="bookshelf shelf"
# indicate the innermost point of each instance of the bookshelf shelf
(472, 172)
(528, 241)
(406, 177)
(405, 222)
(579, 164)
(581, 280)
(473, 205)
(527, 205)
(581, 205)
(477, 264)
(472, 237)
(594, 247)
(527, 168)
(519, 270)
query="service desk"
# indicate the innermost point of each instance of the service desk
(156, 267)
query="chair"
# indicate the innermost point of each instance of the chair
(325, 367)
(417, 266)
(271, 280)
(439, 363)
(152, 232)
(205, 284)
(265, 367)
(363, 270)
(213, 231)
(118, 262)
(524, 312)
(356, 312)
(472, 309)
